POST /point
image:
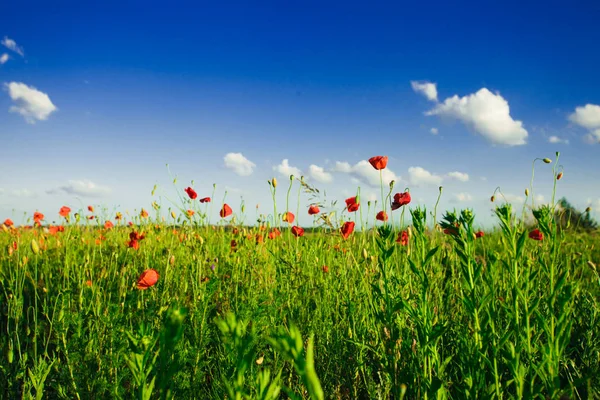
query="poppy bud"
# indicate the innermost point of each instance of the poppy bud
(365, 254)
(547, 160)
(291, 177)
(559, 176)
(526, 192)
(274, 182)
(587, 210)
(173, 214)
(35, 247)
(442, 188)
(492, 199)
(392, 182)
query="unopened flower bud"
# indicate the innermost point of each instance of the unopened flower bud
(274, 182)
(547, 160)
(492, 198)
(587, 210)
(526, 192)
(559, 176)
(173, 214)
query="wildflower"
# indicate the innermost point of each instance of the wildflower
(191, 213)
(134, 244)
(381, 216)
(402, 238)
(536, 235)
(325, 268)
(88, 283)
(191, 193)
(378, 162)
(119, 216)
(91, 208)
(108, 225)
(130, 223)
(90, 217)
(38, 217)
(53, 230)
(352, 204)
(205, 200)
(144, 213)
(274, 233)
(226, 211)
(297, 231)
(288, 217)
(136, 236)
(312, 210)
(8, 222)
(233, 244)
(479, 234)
(400, 199)
(347, 229)
(147, 279)
(64, 211)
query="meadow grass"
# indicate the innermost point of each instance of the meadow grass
(239, 313)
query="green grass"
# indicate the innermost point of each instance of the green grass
(447, 316)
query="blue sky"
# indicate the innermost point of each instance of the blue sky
(97, 99)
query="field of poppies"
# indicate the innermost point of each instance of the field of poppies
(412, 306)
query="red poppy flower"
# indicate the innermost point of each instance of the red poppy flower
(381, 216)
(226, 211)
(312, 210)
(325, 268)
(352, 204)
(479, 234)
(191, 192)
(38, 216)
(205, 200)
(451, 231)
(91, 208)
(147, 279)
(136, 236)
(144, 213)
(64, 211)
(536, 235)
(400, 199)
(190, 213)
(233, 244)
(297, 231)
(378, 162)
(90, 217)
(130, 223)
(108, 225)
(347, 229)
(8, 222)
(274, 233)
(403, 238)
(52, 230)
(288, 217)
(134, 244)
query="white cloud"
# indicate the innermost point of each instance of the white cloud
(556, 139)
(342, 166)
(459, 176)
(588, 117)
(30, 103)
(593, 137)
(513, 199)
(4, 58)
(363, 172)
(427, 89)
(420, 176)
(462, 197)
(239, 164)
(12, 45)
(488, 114)
(83, 188)
(319, 174)
(286, 169)
(434, 131)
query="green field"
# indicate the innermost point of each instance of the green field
(235, 313)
